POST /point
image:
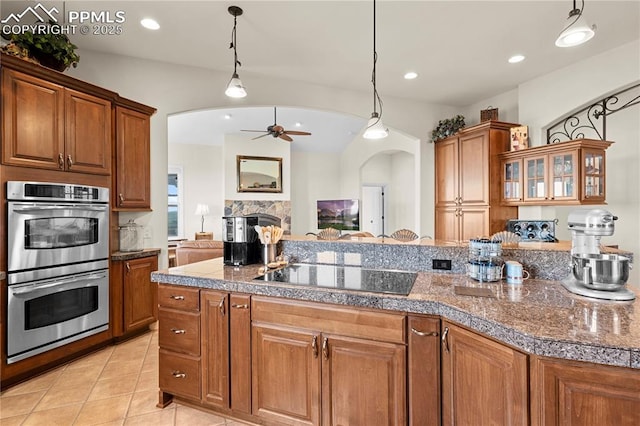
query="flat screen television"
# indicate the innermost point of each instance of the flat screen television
(340, 214)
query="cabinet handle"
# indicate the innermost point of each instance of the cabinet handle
(121, 197)
(325, 348)
(128, 267)
(178, 331)
(69, 161)
(314, 346)
(424, 334)
(179, 375)
(445, 341)
(176, 297)
(221, 306)
(60, 161)
(237, 306)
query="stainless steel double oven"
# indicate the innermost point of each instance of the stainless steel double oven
(57, 265)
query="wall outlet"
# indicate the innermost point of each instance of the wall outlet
(147, 233)
(441, 264)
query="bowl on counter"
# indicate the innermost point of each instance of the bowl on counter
(601, 271)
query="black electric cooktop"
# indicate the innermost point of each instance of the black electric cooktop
(343, 278)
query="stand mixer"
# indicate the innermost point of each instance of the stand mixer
(597, 275)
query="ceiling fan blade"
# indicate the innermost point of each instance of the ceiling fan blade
(295, 132)
(285, 137)
(262, 131)
(261, 136)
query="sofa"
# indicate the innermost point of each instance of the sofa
(195, 251)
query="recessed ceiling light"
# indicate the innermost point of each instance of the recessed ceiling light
(516, 58)
(150, 24)
(298, 124)
(227, 116)
(410, 75)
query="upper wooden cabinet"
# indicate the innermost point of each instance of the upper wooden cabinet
(132, 187)
(48, 126)
(563, 173)
(467, 178)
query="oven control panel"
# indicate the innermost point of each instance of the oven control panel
(533, 230)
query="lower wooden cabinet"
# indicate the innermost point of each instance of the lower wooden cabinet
(576, 393)
(423, 370)
(483, 382)
(134, 298)
(286, 375)
(322, 371)
(215, 348)
(179, 338)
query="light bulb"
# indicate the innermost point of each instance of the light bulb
(235, 89)
(375, 128)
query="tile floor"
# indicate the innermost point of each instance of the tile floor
(116, 386)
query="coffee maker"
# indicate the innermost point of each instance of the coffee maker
(240, 240)
(594, 274)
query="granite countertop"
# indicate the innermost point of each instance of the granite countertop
(540, 317)
(128, 255)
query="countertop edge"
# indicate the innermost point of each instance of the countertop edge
(128, 255)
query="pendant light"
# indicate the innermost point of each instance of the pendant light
(375, 129)
(578, 31)
(235, 89)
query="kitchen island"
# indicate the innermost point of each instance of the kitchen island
(529, 345)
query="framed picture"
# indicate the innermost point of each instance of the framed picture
(339, 214)
(519, 138)
(259, 174)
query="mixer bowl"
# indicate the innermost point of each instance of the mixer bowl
(601, 271)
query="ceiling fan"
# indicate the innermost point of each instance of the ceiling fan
(277, 131)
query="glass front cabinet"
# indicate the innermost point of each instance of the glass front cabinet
(570, 172)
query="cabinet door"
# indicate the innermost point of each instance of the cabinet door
(87, 134)
(593, 176)
(286, 375)
(474, 222)
(215, 348)
(446, 172)
(423, 371)
(447, 225)
(483, 382)
(563, 176)
(240, 341)
(511, 181)
(32, 121)
(133, 147)
(576, 393)
(363, 382)
(535, 180)
(474, 169)
(140, 294)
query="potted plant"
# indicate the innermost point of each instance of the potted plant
(447, 127)
(52, 49)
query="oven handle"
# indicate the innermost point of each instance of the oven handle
(32, 288)
(72, 207)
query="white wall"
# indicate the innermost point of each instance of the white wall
(202, 184)
(544, 100)
(315, 176)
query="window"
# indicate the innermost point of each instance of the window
(174, 203)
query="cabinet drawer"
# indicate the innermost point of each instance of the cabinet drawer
(179, 331)
(343, 320)
(179, 297)
(179, 374)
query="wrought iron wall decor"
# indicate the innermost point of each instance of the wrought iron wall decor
(591, 122)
